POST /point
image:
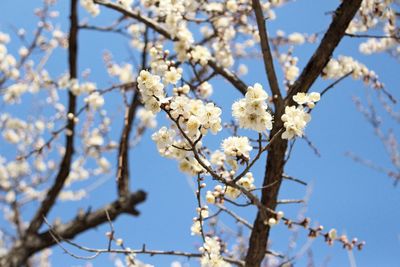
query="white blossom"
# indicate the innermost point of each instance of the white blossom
(92, 8)
(295, 120)
(235, 146)
(251, 111)
(95, 100)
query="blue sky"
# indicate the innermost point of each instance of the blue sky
(345, 195)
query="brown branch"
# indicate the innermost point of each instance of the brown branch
(96, 252)
(288, 177)
(65, 166)
(104, 29)
(266, 52)
(235, 216)
(341, 19)
(276, 156)
(81, 223)
(227, 74)
(372, 36)
(335, 83)
(123, 155)
(130, 114)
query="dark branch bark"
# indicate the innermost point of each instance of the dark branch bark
(123, 155)
(276, 156)
(266, 52)
(130, 114)
(37, 242)
(65, 166)
(342, 17)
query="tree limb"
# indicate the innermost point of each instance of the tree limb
(227, 74)
(22, 250)
(276, 156)
(65, 167)
(266, 52)
(341, 19)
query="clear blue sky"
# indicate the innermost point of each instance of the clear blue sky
(345, 195)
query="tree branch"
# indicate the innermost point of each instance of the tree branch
(65, 167)
(266, 52)
(123, 155)
(276, 156)
(81, 223)
(341, 19)
(227, 74)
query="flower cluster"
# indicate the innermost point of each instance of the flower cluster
(237, 147)
(295, 118)
(197, 222)
(95, 100)
(8, 63)
(124, 72)
(212, 253)
(147, 118)
(251, 112)
(200, 54)
(151, 89)
(290, 69)
(92, 8)
(247, 182)
(307, 99)
(75, 87)
(370, 14)
(345, 65)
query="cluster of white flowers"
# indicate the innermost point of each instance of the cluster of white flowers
(15, 131)
(12, 94)
(170, 147)
(196, 116)
(247, 182)
(204, 90)
(200, 54)
(136, 31)
(151, 89)
(124, 72)
(164, 139)
(172, 75)
(237, 147)
(179, 90)
(158, 62)
(212, 253)
(197, 223)
(344, 65)
(92, 8)
(370, 14)
(290, 69)
(172, 13)
(78, 89)
(104, 166)
(375, 45)
(296, 118)
(95, 138)
(78, 171)
(13, 169)
(272, 221)
(296, 38)
(251, 111)
(146, 118)
(95, 100)
(307, 99)
(8, 63)
(71, 195)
